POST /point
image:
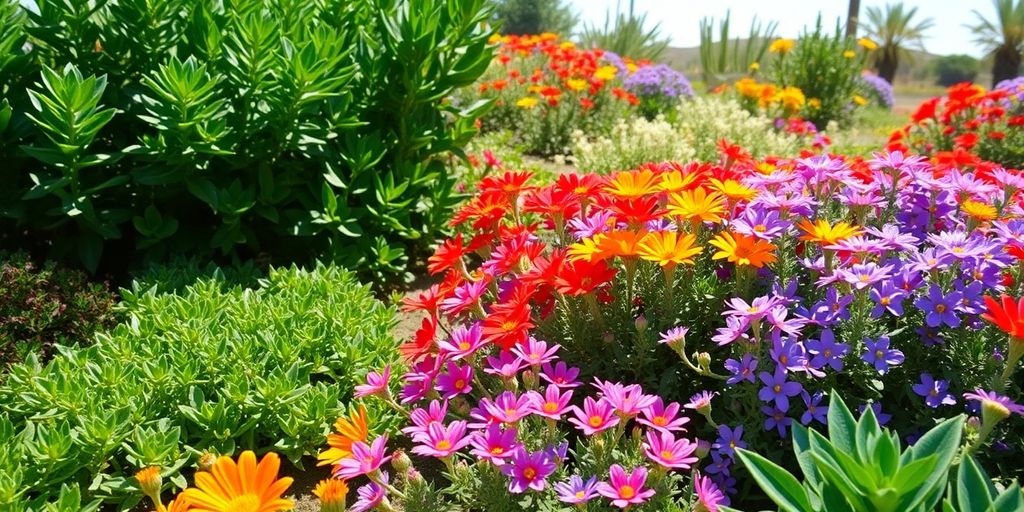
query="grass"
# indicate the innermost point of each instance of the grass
(869, 132)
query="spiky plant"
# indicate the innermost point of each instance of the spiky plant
(896, 30)
(1003, 36)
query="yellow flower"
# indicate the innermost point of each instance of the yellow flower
(814, 103)
(782, 46)
(978, 210)
(631, 67)
(567, 45)
(606, 73)
(733, 189)
(527, 102)
(754, 66)
(633, 184)
(349, 431)
(742, 249)
(576, 84)
(534, 89)
(331, 493)
(765, 168)
(749, 87)
(241, 486)
(867, 44)
(674, 181)
(823, 232)
(792, 98)
(588, 249)
(697, 205)
(849, 54)
(668, 249)
(150, 482)
(860, 100)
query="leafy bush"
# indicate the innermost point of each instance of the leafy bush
(631, 143)
(706, 121)
(210, 369)
(534, 16)
(154, 127)
(953, 69)
(43, 306)
(861, 466)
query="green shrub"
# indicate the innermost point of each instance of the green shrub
(210, 369)
(153, 127)
(41, 306)
(534, 17)
(953, 69)
(627, 35)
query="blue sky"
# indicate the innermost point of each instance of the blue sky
(680, 19)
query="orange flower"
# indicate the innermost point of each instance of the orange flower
(733, 189)
(633, 184)
(331, 493)
(448, 255)
(826, 234)
(245, 486)
(350, 431)
(668, 249)
(697, 205)
(742, 249)
(622, 243)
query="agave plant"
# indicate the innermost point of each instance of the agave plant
(627, 35)
(724, 57)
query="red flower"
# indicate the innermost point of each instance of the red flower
(966, 141)
(1007, 314)
(485, 210)
(1015, 121)
(732, 153)
(585, 186)
(422, 342)
(507, 325)
(996, 135)
(510, 182)
(448, 255)
(425, 301)
(583, 277)
(552, 201)
(926, 110)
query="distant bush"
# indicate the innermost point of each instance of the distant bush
(953, 69)
(534, 16)
(210, 369)
(45, 305)
(142, 128)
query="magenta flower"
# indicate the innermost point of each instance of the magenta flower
(365, 459)
(752, 312)
(493, 444)
(506, 365)
(376, 384)
(464, 342)
(625, 490)
(535, 352)
(508, 408)
(576, 491)
(456, 381)
(465, 296)
(371, 494)
(628, 401)
(440, 441)
(1002, 406)
(664, 418)
(935, 392)
(701, 402)
(528, 470)
(708, 494)
(667, 451)
(863, 275)
(595, 416)
(422, 418)
(674, 337)
(561, 375)
(552, 404)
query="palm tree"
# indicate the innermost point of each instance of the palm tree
(1004, 37)
(895, 30)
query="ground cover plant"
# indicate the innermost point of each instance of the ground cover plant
(215, 368)
(142, 129)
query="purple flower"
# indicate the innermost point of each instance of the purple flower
(760, 223)
(456, 381)
(876, 408)
(741, 370)
(674, 337)
(789, 354)
(528, 470)
(826, 351)
(576, 491)
(971, 301)
(494, 444)
(729, 439)
(777, 389)
(777, 419)
(880, 355)
(1000, 404)
(863, 275)
(752, 312)
(371, 494)
(879, 87)
(887, 297)
(560, 375)
(935, 392)
(938, 308)
(658, 81)
(815, 411)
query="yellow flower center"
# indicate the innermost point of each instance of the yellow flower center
(879, 354)
(510, 412)
(464, 346)
(579, 495)
(660, 421)
(529, 473)
(243, 503)
(459, 384)
(595, 421)
(777, 388)
(550, 407)
(627, 491)
(443, 444)
(760, 228)
(497, 450)
(941, 308)
(667, 455)
(885, 301)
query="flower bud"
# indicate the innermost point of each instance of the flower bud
(400, 461)
(529, 379)
(703, 448)
(206, 460)
(704, 362)
(150, 482)
(413, 476)
(640, 323)
(608, 338)
(332, 494)
(973, 425)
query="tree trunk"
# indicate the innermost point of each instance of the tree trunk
(852, 16)
(887, 64)
(1005, 64)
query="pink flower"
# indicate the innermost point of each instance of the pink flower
(376, 384)
(627, 400)
(364, 460)
(507, 408)
(528, 470)
(439, 441)
(561, 375)
(663, 418)
(464, 342)
(596, 416)
(667, 451)
(422, 418)
(490, 160)
(493, 444)
(506, 365)
(482, 414)
(465, 296)
(535, 352)
(552, 404)
(625, 490)
(708, 494)
(456, 381)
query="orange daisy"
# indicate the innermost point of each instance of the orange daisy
(349, 432)
(242, 486)
(743, 249)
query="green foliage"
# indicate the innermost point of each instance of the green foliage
(294, 129)
(627, 35)
(953, 69)
(861, 466)
(534, 17)
(724, 59)
(818, 67)
(42, 306)
(210, 369)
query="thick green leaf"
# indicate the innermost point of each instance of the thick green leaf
(782, 487)
(841, 425)
(972, 492)
(1010, 500)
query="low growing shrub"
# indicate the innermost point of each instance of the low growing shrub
(46, 305)
(210, 369)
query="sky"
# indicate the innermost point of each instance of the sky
(680, 19)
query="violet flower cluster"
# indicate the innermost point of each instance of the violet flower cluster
(878, 87)
(658, 80)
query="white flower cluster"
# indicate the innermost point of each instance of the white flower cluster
(700, 123)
